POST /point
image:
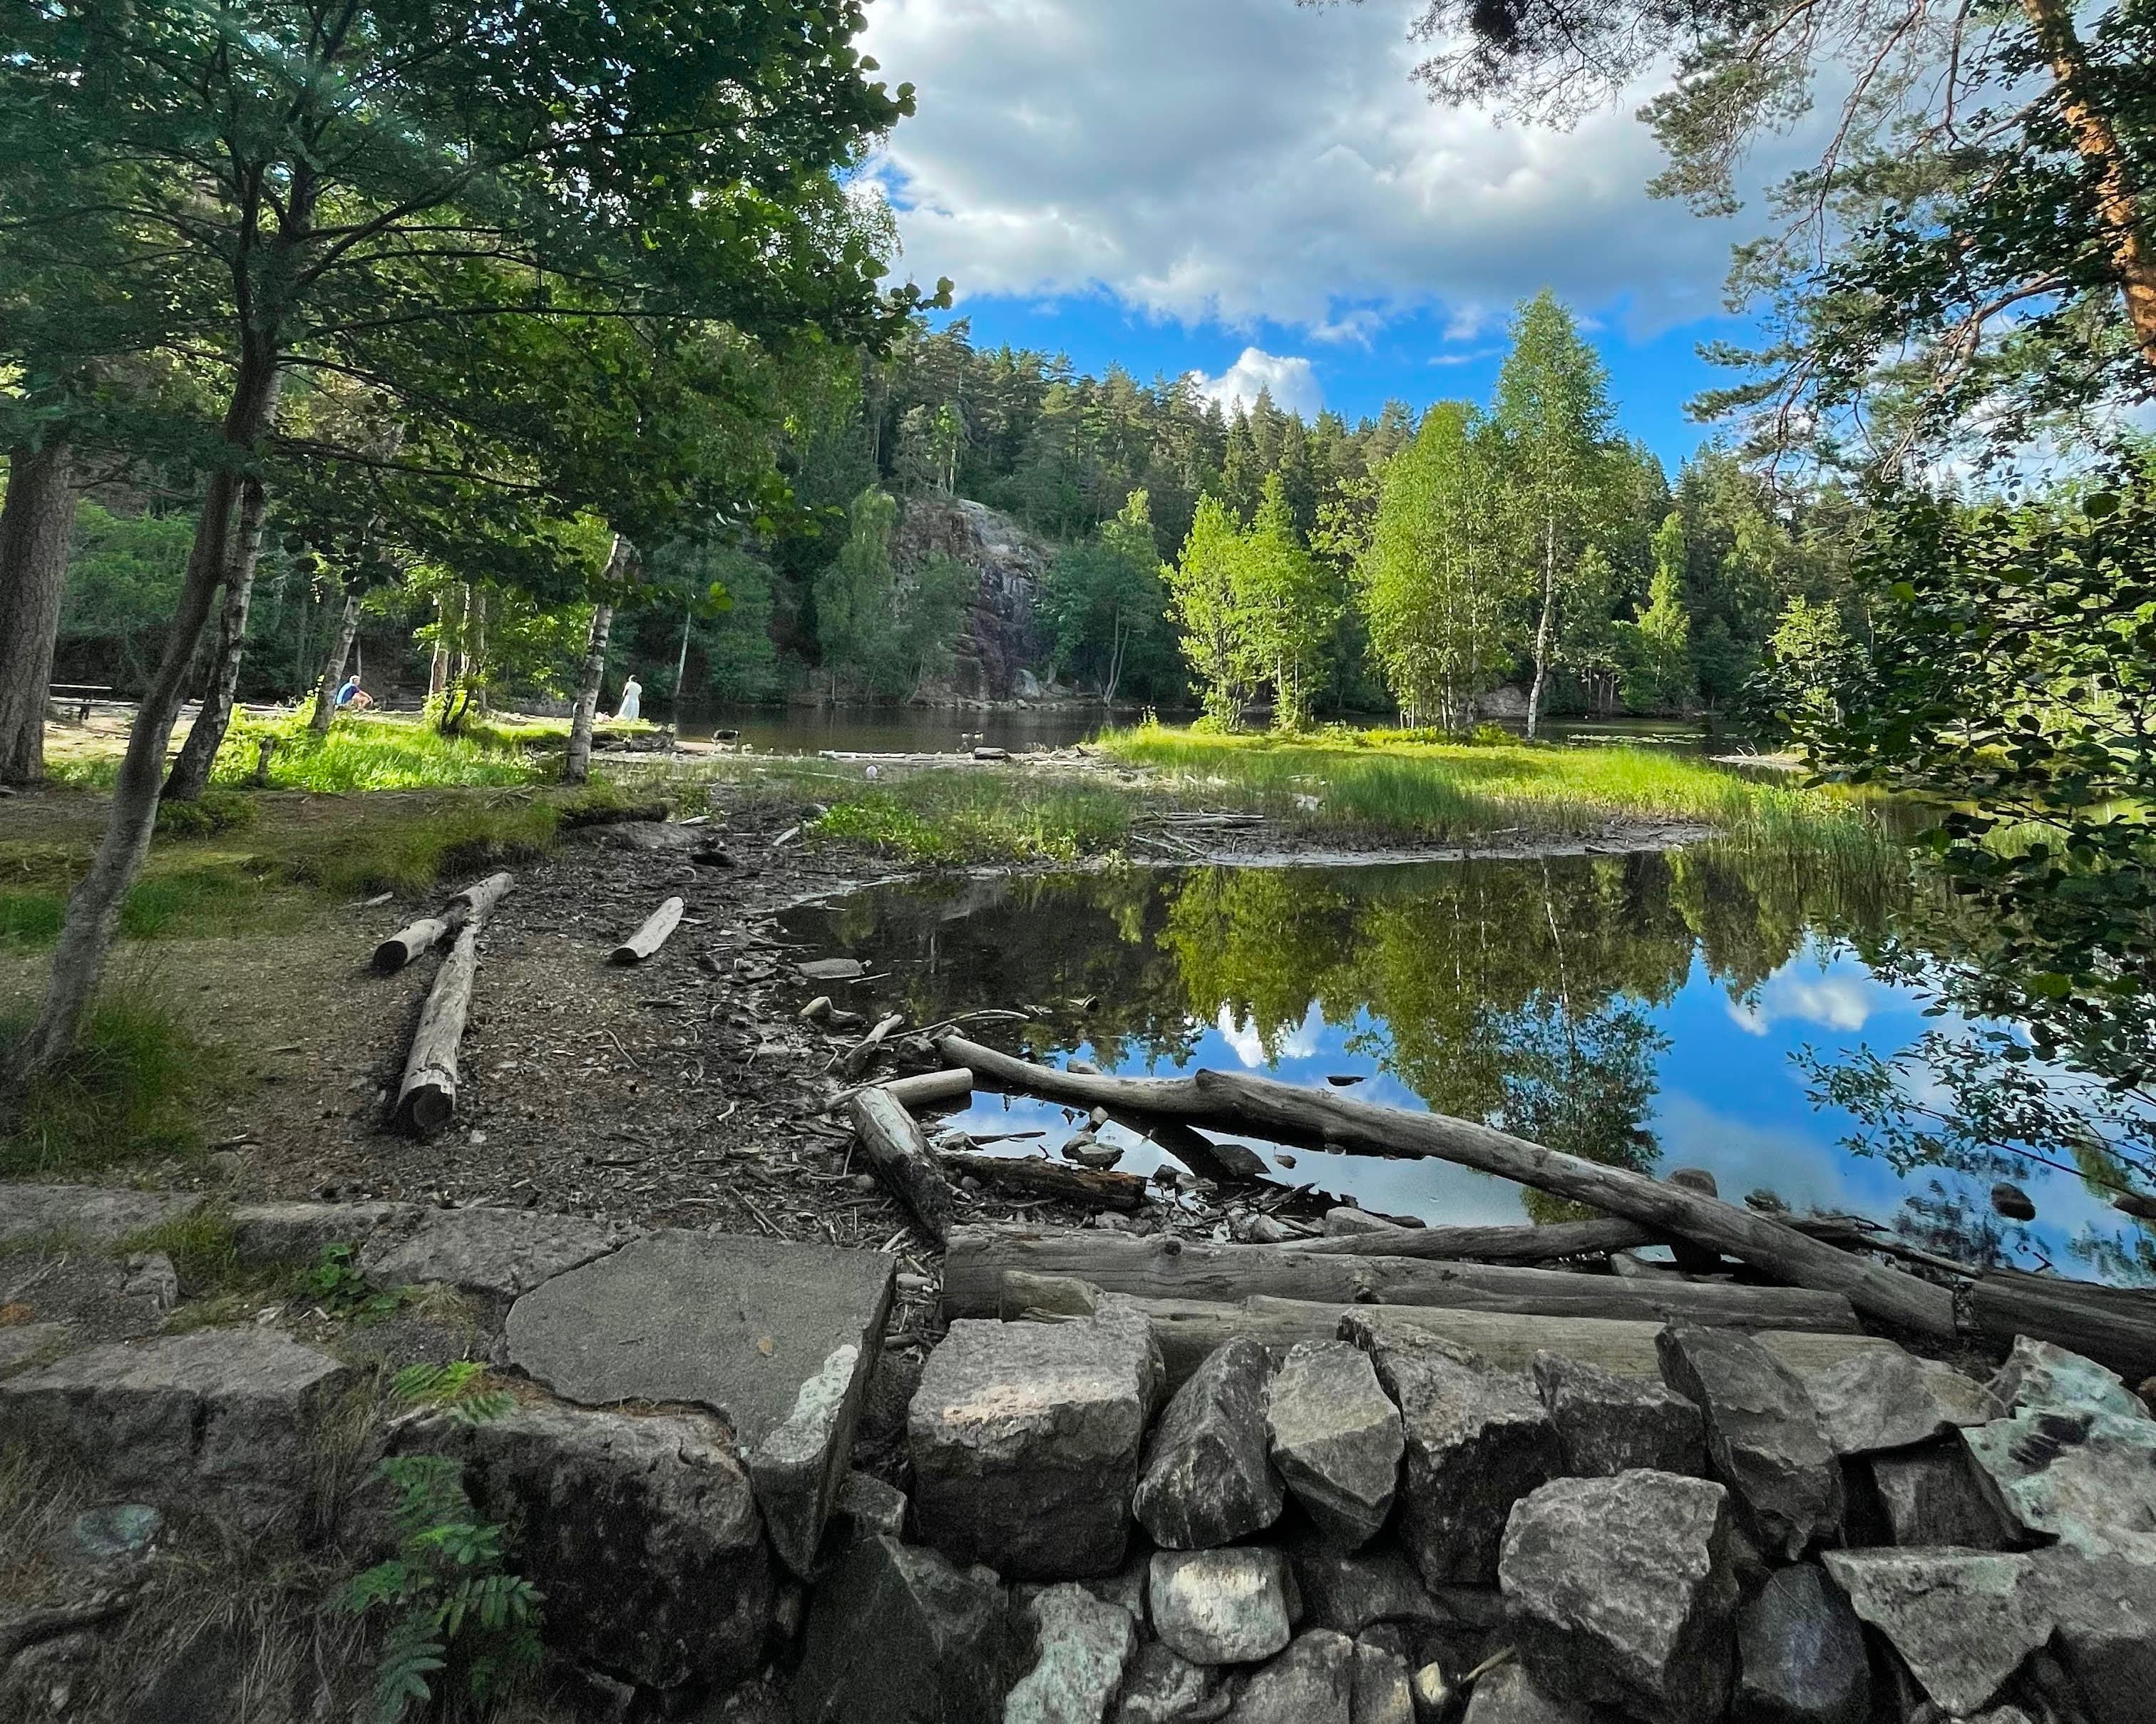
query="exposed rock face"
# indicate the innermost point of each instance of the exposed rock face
(1004, 633)
(1084, 1645)
(776, 1338)
(2106, 1637)
(1336, 1439)
(1349, 1593)
(1800, 1654)
(1620, 1592)
(1963, 1621)
(1161, 1686)
(1885, 1398)
(1206, 1480)
(2039, 1377)
(1763, 1436)
(2085, 1479)
(1312, 1682)
(642, 1532)
(96, 1215)
(1220, 1607)
(221, 1419)
(898, 1633)
(1477, 1441)
(501, 1251)
(1607, 1423)
(1930, 1496)
(1025, 1439)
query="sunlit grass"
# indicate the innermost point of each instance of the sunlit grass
(966, 815)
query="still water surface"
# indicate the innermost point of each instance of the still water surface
(1641, 1009)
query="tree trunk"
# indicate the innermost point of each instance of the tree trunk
(2118, 208)
(190, 774)
(475, 665)
(35, 522)
(93, 912)
(1542, 626)
(333, 669)
(577, 767)
(437, 665)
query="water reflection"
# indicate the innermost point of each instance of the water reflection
(1640, 1009)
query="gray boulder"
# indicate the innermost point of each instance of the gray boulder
(1084, 1645)
(1885, 1398)
(1382, 1690)
(1763, 1436)
(1610, 1423)
(865, 1506)
(300, 1233)
(898, 1633)
(1477, 1441)
(1312, 1682)
(2087, 1479)
(222, 1420)
(2105, 1632)
(1508, 1695)
(1025, 1439)
(1800, 1654)
(501, 1251)
(1962, 1621)
(1220, 1607)
(1206, 1480)
(1932, 1496)
(2041, 1378)
(1619, 1591)
(1336, 1439)
(641, 1530)
(1348, 1593)
(1161, 1686)
(87, 1214)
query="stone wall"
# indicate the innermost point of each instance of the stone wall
(1005, 636)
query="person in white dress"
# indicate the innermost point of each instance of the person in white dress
(632, 698)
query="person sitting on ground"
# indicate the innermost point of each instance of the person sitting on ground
(632, 700)
(353, 695)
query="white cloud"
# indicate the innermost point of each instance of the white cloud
(1843, 1002)
(1292, 381)
(1253, 159)
(1249, 1044)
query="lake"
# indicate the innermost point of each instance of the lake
(1639, 1009)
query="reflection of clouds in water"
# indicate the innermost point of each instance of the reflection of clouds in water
(1743, 1157)
(1835, 1000)
(1249, 1041)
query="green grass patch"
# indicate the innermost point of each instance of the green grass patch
(136, 1086)
(203, 1245)
(30, 918)
(968, 816)
(413, 849)
(1408, 785)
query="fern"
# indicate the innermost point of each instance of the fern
(451, 1605)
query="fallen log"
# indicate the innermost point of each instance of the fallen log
(857, 1057)
(470, 904)
(899, 1155)
(1189, 1330)
(932, 1089)
(1484, 1244)
(977, 1259)
(1095, 1189)
(2114, 1326)
(657, 927)
(427, 1099)
(1172, 1138)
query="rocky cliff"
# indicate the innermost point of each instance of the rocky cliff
(1005, 639)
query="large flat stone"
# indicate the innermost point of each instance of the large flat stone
(1025, 1439)
(640, 1529)
(500, 1251)
(1890, 1399)
(1335, 1438)
(221, 1420)
(1962, 1621)
(900, 1633)
(1620, 1591)
(92, 1214)
(299, 1232)
(776, 1338)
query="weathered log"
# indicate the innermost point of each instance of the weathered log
(2114, 1326)
(427, 1099)
(932, 1089)
(1345, 1222)
(899, 1155)
(1095, 1189)
(470, 904)
(1235, 1101)
(1189, 1330)
(1486, 1245)
(1164, 1267)
(573, 818)
(649, 938)
(859, 1056)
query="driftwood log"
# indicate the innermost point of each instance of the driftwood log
(1232, 1101)
(1189, 1330)
(2114, 1326)
(470, 904)
(932, 1089)
(1162, 1266)
(1096, 1188)
(899, 1154)
(859, 1056)
(1484, 1244)
(657, 928)
(427, 1099)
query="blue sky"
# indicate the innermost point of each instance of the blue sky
(1258, 190)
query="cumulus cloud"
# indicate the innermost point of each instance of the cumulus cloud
(1249, 160)
(1843, 1003)
(1292, 381)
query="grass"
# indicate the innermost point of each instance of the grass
(955, 818)
(202, 1244)
(136, 1087)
